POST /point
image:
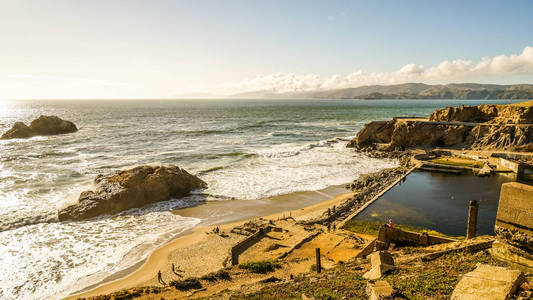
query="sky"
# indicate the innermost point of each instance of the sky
(162, 49)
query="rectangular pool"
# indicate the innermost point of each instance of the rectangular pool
(438, 201)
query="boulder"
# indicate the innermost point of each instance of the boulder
(488, 282)
(44, 125)
(132, 188)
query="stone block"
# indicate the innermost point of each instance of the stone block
(514, 220)
(382, 262)
(379, 290)
(489, 283)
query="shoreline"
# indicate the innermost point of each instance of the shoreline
(315, 202)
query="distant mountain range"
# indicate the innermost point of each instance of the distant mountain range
(408, 91)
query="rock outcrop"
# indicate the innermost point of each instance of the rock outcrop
(132, 188)
(486, 127)
(518, 113)
(44, 125)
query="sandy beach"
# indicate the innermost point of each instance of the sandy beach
(198, 252)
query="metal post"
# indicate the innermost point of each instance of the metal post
(318, 264)
(472, 219)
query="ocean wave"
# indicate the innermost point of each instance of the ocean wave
(294, 150)
(292, 168)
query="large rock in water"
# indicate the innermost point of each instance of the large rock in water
(132, 188)
(44, 125)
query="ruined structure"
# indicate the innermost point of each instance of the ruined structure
(514, 224)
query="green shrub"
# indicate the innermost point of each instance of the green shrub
(215, 276)
(186, 284)
(261, 267)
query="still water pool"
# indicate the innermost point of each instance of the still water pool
(439, 201)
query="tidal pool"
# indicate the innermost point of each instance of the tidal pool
(438, 201)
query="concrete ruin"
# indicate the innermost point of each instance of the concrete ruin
(489, 283)
(388, 235)
(382, 262)
(514, 224)
(379, 290)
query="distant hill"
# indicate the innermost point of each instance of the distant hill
(410, 91)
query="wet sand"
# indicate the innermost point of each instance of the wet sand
(197, 252)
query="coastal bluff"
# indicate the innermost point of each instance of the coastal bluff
(484, 127)
(132, 188)
(44, 125)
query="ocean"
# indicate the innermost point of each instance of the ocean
(243, 149)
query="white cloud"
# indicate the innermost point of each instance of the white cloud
(446, 71)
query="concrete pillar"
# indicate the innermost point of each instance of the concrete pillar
(318, 264)
(472, 219)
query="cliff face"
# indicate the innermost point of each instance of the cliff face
(520, 113)
(489, 127)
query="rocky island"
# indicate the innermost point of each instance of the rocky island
(132, 188)
(44, 125)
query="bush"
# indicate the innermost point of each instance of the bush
(261, 267)
(186, 284)
(218, 275)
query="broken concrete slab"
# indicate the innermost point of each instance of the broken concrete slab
(488, 282)
(305, 297)
(379, 290)
(382, 262)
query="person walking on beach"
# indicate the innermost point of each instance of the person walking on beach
(160, 278)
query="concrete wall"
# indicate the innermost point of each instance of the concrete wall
(514, 220)
(516, 204)
(241, 246)
(509, 164)
(389, 235)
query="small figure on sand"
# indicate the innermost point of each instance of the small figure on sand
(390, 224)
(160, 278)
(175, 271)
(217, 230)
(329, 227)
(334, 227)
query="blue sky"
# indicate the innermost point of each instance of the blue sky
(110, 49)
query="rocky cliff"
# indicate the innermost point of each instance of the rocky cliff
(519, 113)
(132, 188)
(44, 125)
(489, 127)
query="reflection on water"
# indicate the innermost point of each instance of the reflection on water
(439, 201)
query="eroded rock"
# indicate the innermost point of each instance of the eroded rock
(518, 113)
(44, 125)
(132, 188)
